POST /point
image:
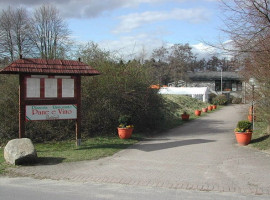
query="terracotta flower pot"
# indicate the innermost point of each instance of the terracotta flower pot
(204, 109)
(125, 133)
(185, 117)
(243, 138)
(197, 112)
(214, 106)
(210, 108)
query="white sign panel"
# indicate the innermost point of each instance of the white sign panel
(33, 88)
(50, 88)
(51, 112)
(67, 87)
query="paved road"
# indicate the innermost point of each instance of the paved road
(201, 155)
(33, 189)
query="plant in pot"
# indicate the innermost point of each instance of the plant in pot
(243, 132)
(197, 112)
(204, 109)
(125, 127)
(185, 116)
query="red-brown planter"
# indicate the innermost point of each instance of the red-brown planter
(125, 133)
(214, 106)
(210, 108)
(243, 138)
(185, 117)
(198, 112)
(204, 109)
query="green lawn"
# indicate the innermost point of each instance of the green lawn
(3, 165)
(95, 148)
(260, 137)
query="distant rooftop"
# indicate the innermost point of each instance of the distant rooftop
(212, 76)
(49, 66)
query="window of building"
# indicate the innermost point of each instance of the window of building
(228, 85)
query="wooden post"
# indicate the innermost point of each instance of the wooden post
(78, 121)
(21, 108)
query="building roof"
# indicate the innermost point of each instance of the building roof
(212, 76)
(49, 66)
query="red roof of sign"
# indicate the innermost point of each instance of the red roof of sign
(47, 66)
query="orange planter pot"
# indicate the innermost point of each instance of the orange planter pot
(185, 117)
(204, 109)
(198, 112)
(243, 138)
(214, 106)
(210, 108)
(125, 133)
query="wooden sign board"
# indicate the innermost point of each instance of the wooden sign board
(50, 89)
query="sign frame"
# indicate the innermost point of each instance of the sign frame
(41, 100)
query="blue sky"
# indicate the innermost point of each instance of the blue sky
(129, 27)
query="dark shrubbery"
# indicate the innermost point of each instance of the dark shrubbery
(122, 89)
(9, 106)
(211, 97)
(219, 100)
(236, 100)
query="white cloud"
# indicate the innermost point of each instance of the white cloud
(130, 47)
(202, 50)
(84, 8)
(132, 21)
(79, 8)
(205, 51)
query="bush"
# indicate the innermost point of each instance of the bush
(243, 126)
(211, 97)
(9, 107)
(236, 100)
(122, 89)
(219, 100)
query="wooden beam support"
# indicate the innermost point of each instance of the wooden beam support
(21, 107)
(78, 121)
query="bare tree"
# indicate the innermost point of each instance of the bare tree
(6, 34)
(21, 29)
(248, 25)
(14, 33)
(180, 60)
(247, 22)
(50, 34)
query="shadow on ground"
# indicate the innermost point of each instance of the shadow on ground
(260, 139)
(207, 126)
(42, 161)
(104, 146)
(168, 145)
(49, 161)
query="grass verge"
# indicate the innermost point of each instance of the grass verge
(260, 137)
(67, 151)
